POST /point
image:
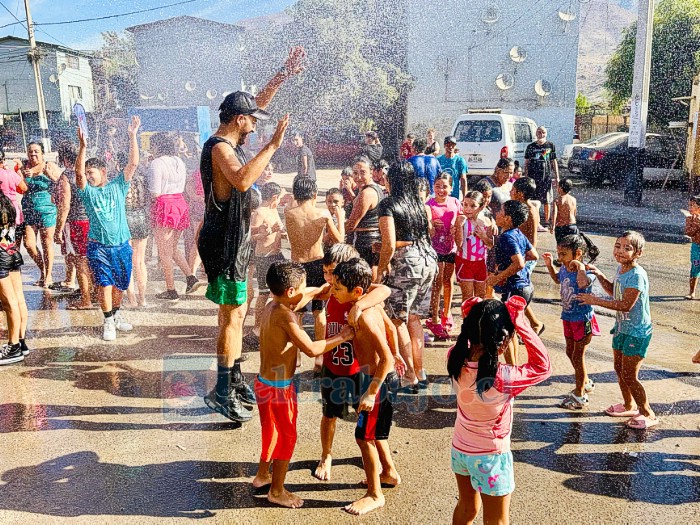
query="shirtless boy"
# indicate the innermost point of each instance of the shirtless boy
(350, 281)
(341, 377)
(305, 227)
(524, 190)
(275, 393)
(336, 207)
(268, 232)
(564, 213)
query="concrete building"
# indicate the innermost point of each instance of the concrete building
(187, 61)
(515, 56)
(66, 77)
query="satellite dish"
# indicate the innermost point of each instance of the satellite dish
(566, 16)
(53, 78)
(161, 96)
(62, 68)
(543, 88)
(491, 15)
(190, 86)
(517, 54)
(211, 94)
(505, 81)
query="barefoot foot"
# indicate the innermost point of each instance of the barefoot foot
(323, 470)
(696, 358)
(364, 505)
(388, 480)
(285, 499)
(260, 481)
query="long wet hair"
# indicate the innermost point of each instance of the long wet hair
(580, 241)
(489, 325)
(8, 214)
(403, 189)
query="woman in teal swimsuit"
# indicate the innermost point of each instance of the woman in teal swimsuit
(40, 210)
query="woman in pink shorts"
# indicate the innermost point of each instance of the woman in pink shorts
(474, 236)
(170, 214)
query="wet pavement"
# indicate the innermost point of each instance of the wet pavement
(98, 432)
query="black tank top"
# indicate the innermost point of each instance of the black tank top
(77, 208)
(371, 218)
(224, 242)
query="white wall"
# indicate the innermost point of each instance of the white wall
(81, 77)
(455, 58)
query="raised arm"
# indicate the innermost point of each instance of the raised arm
(133, 163)
(629, 298)
(604, 281)
(293, 65)
(548, 258)
(331, 228)
(80, 179)
(377, 294)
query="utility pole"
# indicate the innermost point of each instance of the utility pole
(35, 57)
(640, 102)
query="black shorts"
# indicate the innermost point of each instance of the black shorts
(262, 265)
(314, 277)
(448, 258)
(10, 262)
(542, 189)
(139, 223)
(339, 392)
(368, 255)
(562, 231)
(363, 241)
(526, 293)
(375, 425)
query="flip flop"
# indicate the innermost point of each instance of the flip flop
(79, 307)
(689, 297)
(641, 422)
(541, 330)
(619, 410)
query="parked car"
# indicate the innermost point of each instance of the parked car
(483, 138)
(610, 160)
(336, 148)
(568, 149)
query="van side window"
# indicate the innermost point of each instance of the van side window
(523, 133)
(479, 131)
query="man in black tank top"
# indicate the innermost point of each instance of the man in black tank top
(224, 241)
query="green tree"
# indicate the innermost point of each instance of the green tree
(583, 106)
(355, 72)
(675, 61)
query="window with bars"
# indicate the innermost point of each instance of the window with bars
(72, 62)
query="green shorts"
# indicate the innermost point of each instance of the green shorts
(226, 291)
(630, 345)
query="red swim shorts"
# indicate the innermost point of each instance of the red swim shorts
(470, 270)
(578, 330)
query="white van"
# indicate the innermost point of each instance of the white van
(483, 138)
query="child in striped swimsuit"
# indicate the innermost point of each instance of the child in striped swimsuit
(474, 236)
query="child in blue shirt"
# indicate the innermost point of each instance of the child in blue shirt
(578, 319)
(632, 332)
(108, 252)
(511, 250)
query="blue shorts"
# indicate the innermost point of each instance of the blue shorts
(110, 265)
(630, 345)
(530, 268)
(490, 474)
(694, 260)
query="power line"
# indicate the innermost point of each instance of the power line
(114, 16)
(11, 14)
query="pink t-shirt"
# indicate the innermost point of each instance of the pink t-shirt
(9, 180)
(443, 239)
(484, 423)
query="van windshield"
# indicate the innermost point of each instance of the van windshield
(479, 131)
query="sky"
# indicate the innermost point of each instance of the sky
(86, 35)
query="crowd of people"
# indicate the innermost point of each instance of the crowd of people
(377, 269)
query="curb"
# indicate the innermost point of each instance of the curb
(652, 231)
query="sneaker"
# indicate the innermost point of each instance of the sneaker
(109, 331)
(573, 402)
(589, 386)
(121, 323)
(243, 392)
(229, 407)
(9, 355)
(193, 284)
(23, 346)
(422, 380)
(170, 295)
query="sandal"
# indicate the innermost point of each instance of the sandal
(589, 386)
(437, 329)
(641, 422)
(573, 402)
(619, 410)
(448, 322)
(690, 297)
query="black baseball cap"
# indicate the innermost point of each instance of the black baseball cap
(449, 139)
(241, 103)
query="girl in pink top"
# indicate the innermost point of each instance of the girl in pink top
(485, 389)
(444, 210)
(474, 233)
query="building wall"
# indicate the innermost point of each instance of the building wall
(172, 54)
(18, 89)
(455, 57)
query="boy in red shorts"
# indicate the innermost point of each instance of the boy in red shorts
(275, 393)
